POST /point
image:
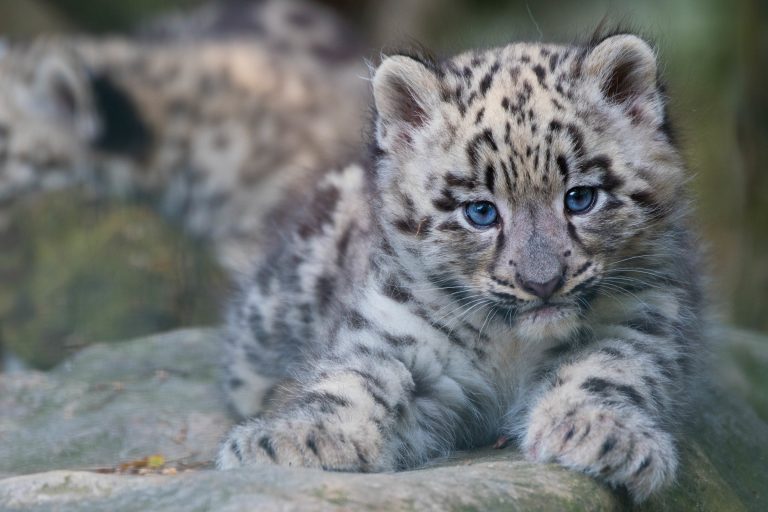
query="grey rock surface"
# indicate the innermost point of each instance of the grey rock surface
(113, 404)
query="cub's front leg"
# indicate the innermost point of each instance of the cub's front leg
(342, 418)
(604, 415)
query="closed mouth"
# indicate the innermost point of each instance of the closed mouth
(543, 312)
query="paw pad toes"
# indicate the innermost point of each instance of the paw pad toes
(265, 443)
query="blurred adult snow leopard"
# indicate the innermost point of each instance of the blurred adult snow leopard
(513, 258)
(205, 116)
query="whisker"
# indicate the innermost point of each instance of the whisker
(626, 292)
(459, 307)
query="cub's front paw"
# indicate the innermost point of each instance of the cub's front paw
(300, 443)
(619, 445)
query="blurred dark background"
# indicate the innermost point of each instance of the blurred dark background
(714, 57)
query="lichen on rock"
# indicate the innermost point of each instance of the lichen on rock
(79, 270)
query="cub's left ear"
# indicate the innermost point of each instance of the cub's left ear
(625, 68)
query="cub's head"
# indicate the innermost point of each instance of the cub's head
(53, 116)
(525, 178)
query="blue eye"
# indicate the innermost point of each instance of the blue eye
(481, 213)
(580, 199)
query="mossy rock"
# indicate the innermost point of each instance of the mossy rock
(116, 403)
(84, 271)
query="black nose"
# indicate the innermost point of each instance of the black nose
(542, 290)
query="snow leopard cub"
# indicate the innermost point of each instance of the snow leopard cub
(513, 261)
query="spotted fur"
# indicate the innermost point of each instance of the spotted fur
(205, 117)
(385, 329)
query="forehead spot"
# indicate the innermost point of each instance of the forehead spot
(541, 74)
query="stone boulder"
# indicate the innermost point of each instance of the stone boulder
(134, 426)
(76, 269)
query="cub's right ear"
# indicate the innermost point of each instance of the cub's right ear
(405, 92)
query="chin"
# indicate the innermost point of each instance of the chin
(548, 323)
